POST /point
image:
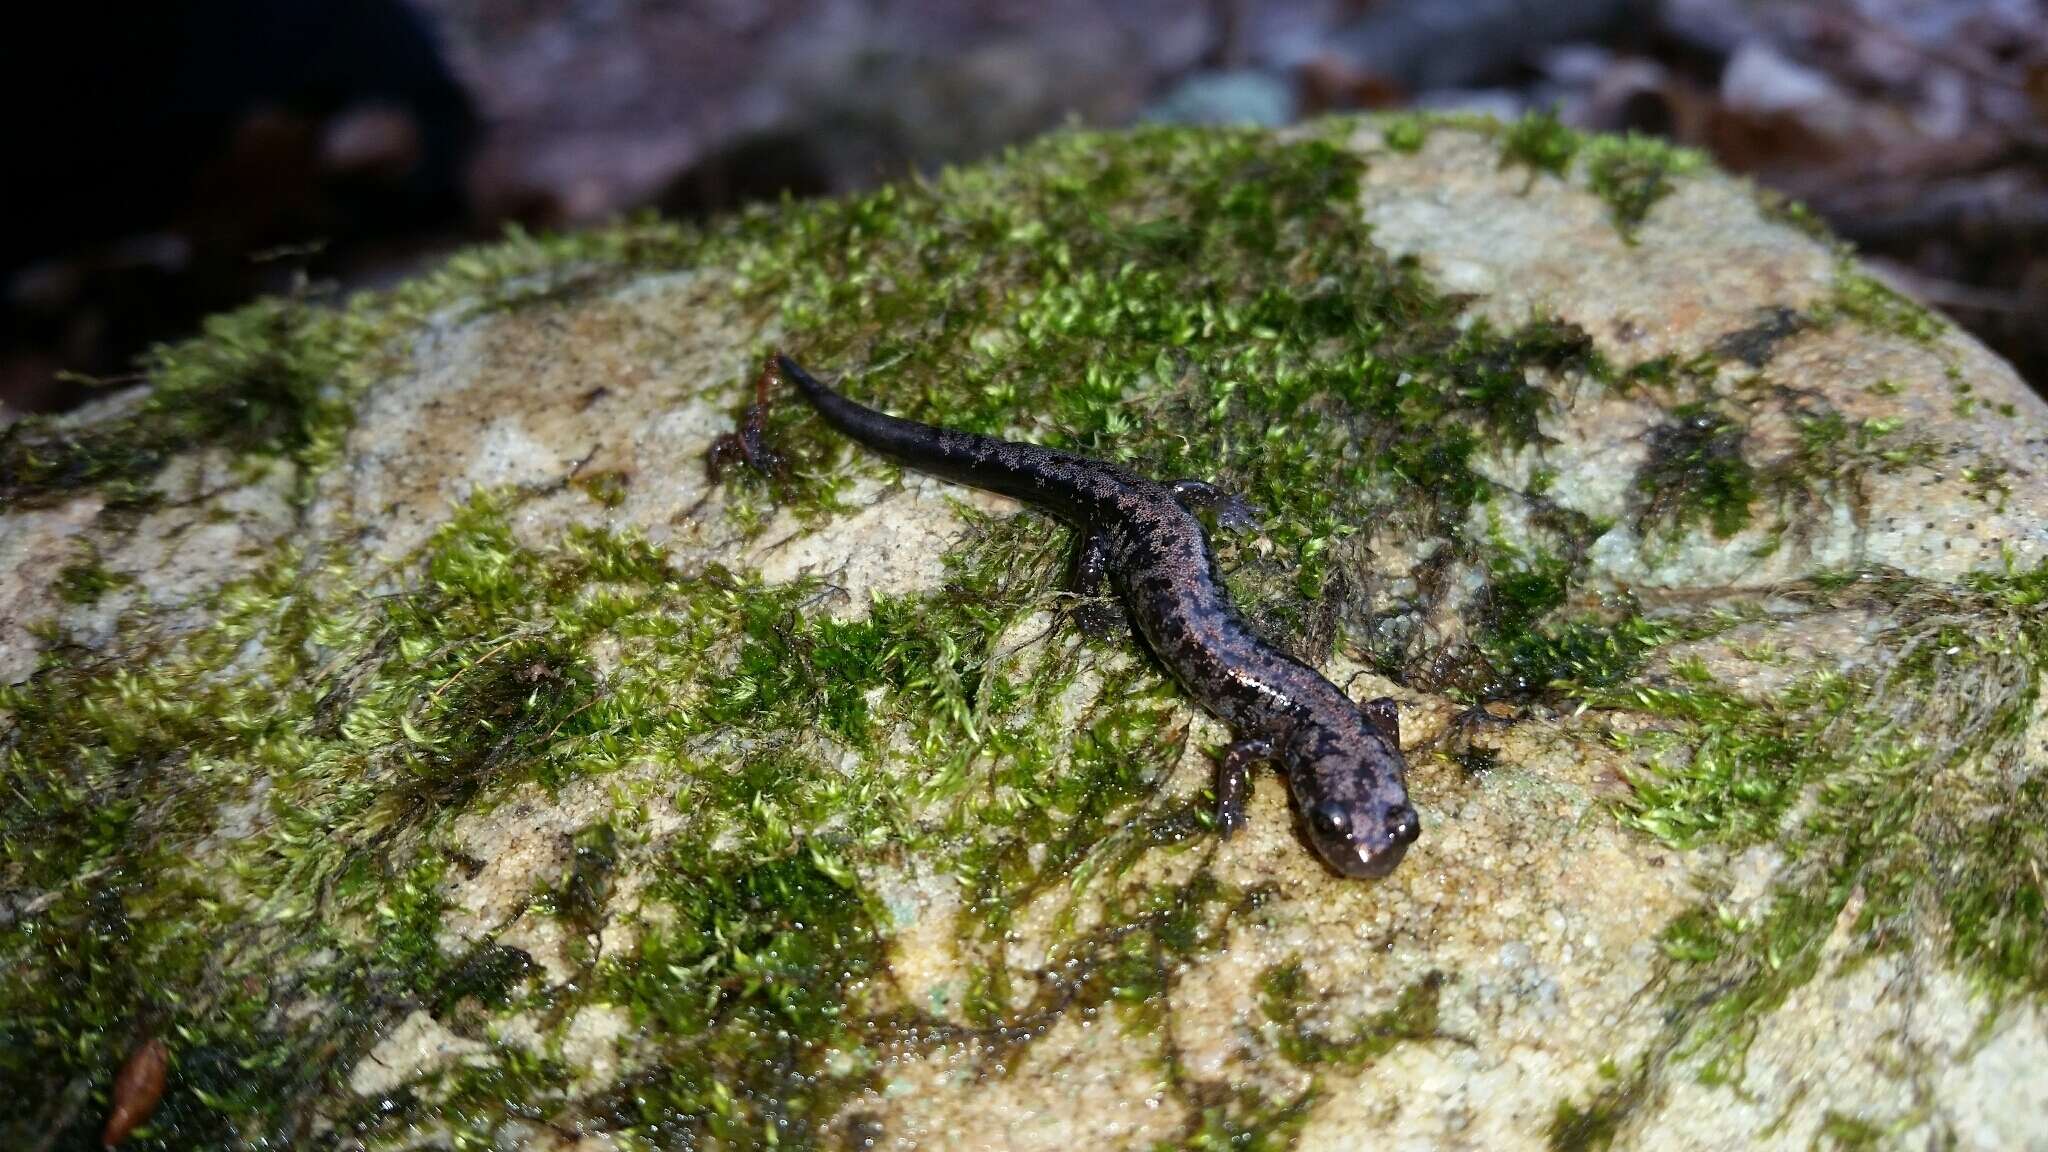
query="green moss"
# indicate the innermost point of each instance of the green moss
(1540, 143)
(1243, 1120)
(1793, 213)
(1572, 654)
(1866, 300)
(279, 378)
(1632, 173)
(1835, 770)
(266, 379)
(749, 991)
(1143, 298)
(1405, 133)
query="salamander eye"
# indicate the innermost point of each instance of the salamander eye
(1330, 820)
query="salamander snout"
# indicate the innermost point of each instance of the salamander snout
(1363, 840)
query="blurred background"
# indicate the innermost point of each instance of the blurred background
(166, 160)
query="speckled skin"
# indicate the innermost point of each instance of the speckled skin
(1342, 762)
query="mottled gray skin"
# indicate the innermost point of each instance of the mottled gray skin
(1343, 764)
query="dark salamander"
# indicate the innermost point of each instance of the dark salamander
(1342, 761)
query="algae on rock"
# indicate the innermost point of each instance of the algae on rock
(402, 727)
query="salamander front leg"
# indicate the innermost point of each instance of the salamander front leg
(1231, 512)
(748, 444)
(1087, 573)
(1089, 565)
(1385, 718)
(1234, 780)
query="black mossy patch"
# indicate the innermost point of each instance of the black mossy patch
(1697, 471)
(487, 976)
(1757, 343)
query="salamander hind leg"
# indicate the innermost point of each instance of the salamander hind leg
(1231, 513)
(1234, 780)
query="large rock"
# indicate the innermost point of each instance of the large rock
(408, 732)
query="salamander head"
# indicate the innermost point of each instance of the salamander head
(1349, 788)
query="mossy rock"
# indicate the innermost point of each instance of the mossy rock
(405, 730)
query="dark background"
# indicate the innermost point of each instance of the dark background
(168, 160)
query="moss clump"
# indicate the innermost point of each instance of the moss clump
(748, 992)
(1405, 133)
(1631, 173)
(1540, 143)
(1571, 655)
(1843, 1133)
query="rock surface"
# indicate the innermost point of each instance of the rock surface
(405, 727)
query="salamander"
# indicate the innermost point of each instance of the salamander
(1342, 760)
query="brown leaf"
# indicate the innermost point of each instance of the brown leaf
(137, 1088)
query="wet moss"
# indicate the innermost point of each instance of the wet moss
(1283, 998)
(1596, 1125)
(607, 488)
(1844, 1133)
(1244, 1120)
(487, 976)
(86, 581)
(1571, 654)
(748, 992)
(1697, 471)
